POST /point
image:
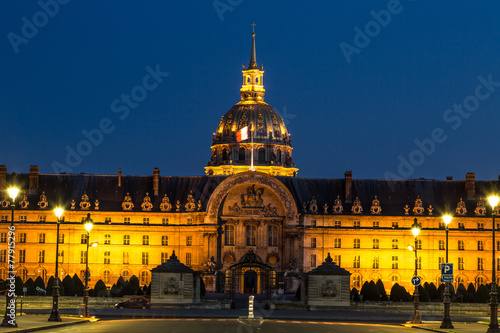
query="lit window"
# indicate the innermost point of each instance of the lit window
(376, 224)
(480, 263)
(229, 234)
(145, 258)
(189, 240)
(395, 243)
(125, 258)
(313, 260)
(126, 239)
(164, 240)
(107, 256)
(461, 245)
(337, 224)
(375, 243)
(357, 243)
(145, 240)
(126, 220)
(313, 242)
(357, 224)
(337, 243)
(188, 258)
(480, 245)
(107, 239)
(41, 256)
(22, 237)
(375, 263)
(41, 238)
(441, 244)
(394, 262)
(251, 235)
(145, 220)
(164, 257)
(272, 235)
(356, 263)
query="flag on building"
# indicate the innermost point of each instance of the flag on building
(242, 134)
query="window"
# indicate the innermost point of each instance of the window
(105, 276)
(357, 243)
(22, 237)
(82, 257)
(164, 221)
(83, 239)
(375, 263)
(188, 258)
(461, 245)
(356, 281)
(145, 220)
(460, 263)
(22, 256)
(395, 243)
(441, 244)
(375, 244)
(441, 260)
(498, 263)
(189, 220)
(3, 237)
(441, 225)
(126, 220)
(3, 255)
(61, 238)
(313, 260)
(356, 262)
(145, 240)
(107, 239)
(145, 278)
(107, 256)
(262, 155)
(313, 223)
(241, 154)
(357, 224)
(337, 224)
(107, 220)
(272, 235)
(461, 225)
(125, 274)
(251, 235)
(479, 281)
(419, 263)
(145, 258)
(41, 256)
(395, 279)
(336, 259)
(41, 238)
(164, 240)
(313, 242)
(376, 224)
(480, 245)
(4, 218)
(229, 234)
(125, 258)
(419, 244)
(61, 257)
(480, 263)
(394, 262)
(23, 273)
(41, 218)
(126, 239)
(164, 257)
(480, 225)
(189, 240)
(395, 224)
(22, 218)
(337, 243)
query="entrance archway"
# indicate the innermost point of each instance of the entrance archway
(250, 282)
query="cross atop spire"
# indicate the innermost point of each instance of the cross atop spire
(253, 27)
(253, 56)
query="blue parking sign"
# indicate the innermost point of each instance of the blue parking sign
(447, 272)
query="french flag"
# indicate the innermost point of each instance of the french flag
(242, 134)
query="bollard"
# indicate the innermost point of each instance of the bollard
(250, 307)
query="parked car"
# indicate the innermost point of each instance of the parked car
(133, 303)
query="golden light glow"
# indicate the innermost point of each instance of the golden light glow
(493, 200)
(415, 228)
(447, 219)
(88, 226)
(13, 192)
(94, 244)
(411, 247)
(58, 211)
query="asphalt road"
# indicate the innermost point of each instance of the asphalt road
(227, 326)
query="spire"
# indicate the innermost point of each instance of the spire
(253, 57)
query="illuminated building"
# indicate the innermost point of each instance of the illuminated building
(270, 215)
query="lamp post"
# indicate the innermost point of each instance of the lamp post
(88, 226)
(415, 229)
(54, 315)
(493, 327)
(9, 320)
(446, 318)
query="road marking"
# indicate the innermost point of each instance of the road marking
(221, 319)
(206, 319)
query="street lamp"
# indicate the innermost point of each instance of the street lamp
(88, 226)
(54, 315)
(415, 229)
(9, 320)
(446, 318)
(493, 327)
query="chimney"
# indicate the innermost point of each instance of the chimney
(470, 185)
(3, 176)
(348, 186)
(120, 177)
(156, 181)
(33, 188)
(449, 177)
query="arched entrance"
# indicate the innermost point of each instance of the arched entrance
(250, 282)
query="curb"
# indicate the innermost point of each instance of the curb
(41, 328)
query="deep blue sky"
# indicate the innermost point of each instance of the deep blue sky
(362, 116)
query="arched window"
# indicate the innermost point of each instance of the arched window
(125, 274)
(229, 234)
(248, 79)
(23, 274)
(3, 274)
(257, 79)
(224, 154)
(241, 154)
(278, 155)
(262, 155)
(395, 279)
(145, 279)
(479, 281)
(251, 235)
(356, 281)
(106, 276)
(272, 235)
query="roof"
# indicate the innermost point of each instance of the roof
(328, 267)
(172, 265)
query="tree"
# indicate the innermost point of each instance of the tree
(31, 287)
(78, 285)
(371, 292)
(69, 286)
(381, 291)
(203, 290)
(399, 294)
(364, 288)
(128, 289)
(432, 291)
(423, 296)
(355, 295)
(134, 282)
(470, 289)
(115, 291)
(40, 285)
(19, 286)
(482, 295)
(100, 289)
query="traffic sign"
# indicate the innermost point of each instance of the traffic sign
(416, 280)
(447, 272)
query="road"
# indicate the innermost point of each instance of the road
(227, 326)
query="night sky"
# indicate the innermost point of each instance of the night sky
(386, 89)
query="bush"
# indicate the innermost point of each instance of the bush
(69, 286)
(41, 285)
(100, 289)
(432, 291)
(19, 286)
(482, 295)
(381, 291)
(371, 293)
(134, 283)
(355, 295)
(399, 294)
(78, 285)
(423, 295)
(31, 287)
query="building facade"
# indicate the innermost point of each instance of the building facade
(250, 204)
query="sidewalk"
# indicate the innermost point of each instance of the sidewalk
(32, 323)
(479, 327)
